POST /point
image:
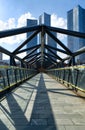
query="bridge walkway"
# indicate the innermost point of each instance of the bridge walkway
(41, 103)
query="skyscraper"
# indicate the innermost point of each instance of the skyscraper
(76, 22)
(46, 20)
(33, 42)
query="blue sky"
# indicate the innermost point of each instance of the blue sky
(15, 8)
(13, 14)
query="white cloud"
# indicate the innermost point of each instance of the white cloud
(10, 24)
(60, 23)
(13, 23)
(22, 19)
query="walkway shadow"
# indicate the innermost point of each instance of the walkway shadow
(14, 114)
(14, 107)
(42, 117)
(65, 92)
(3, 126)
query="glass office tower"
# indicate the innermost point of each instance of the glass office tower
(46, 20)
(33, 42)
(76, 22)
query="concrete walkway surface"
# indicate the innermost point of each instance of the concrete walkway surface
(41, 103)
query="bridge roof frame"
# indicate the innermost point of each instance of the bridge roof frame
(44, 57)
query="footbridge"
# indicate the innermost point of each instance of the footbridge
(42, 90)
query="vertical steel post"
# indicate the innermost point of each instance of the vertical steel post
(42, 45)
(7, 73)
(12, 61)
(73, 59)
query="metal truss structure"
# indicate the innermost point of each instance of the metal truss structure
(37, 57)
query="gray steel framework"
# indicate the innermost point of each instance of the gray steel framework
(41, 59)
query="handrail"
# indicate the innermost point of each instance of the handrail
(10, 76)
(73, 76)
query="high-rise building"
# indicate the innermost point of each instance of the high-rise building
(76, 22)
(33, 42)
(46, 20)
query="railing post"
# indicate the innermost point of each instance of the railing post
(7, 73)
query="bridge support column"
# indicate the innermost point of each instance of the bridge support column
(12, 61)
(42, 45)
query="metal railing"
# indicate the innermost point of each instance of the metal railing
(10, 76)
(71, 76)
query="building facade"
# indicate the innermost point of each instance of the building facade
(33, 42)
(45, 19)
(76, 22)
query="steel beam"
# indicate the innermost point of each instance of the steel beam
(3, 50)
(35, 60)
(58, 57)
(26, 41)
(56, 49)
(34, 55)
(80, 51)
(30, 48)
(12, 32)
(59, 42)
(49, 60)
(64, 31)
(30, 53)
(50, 57)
